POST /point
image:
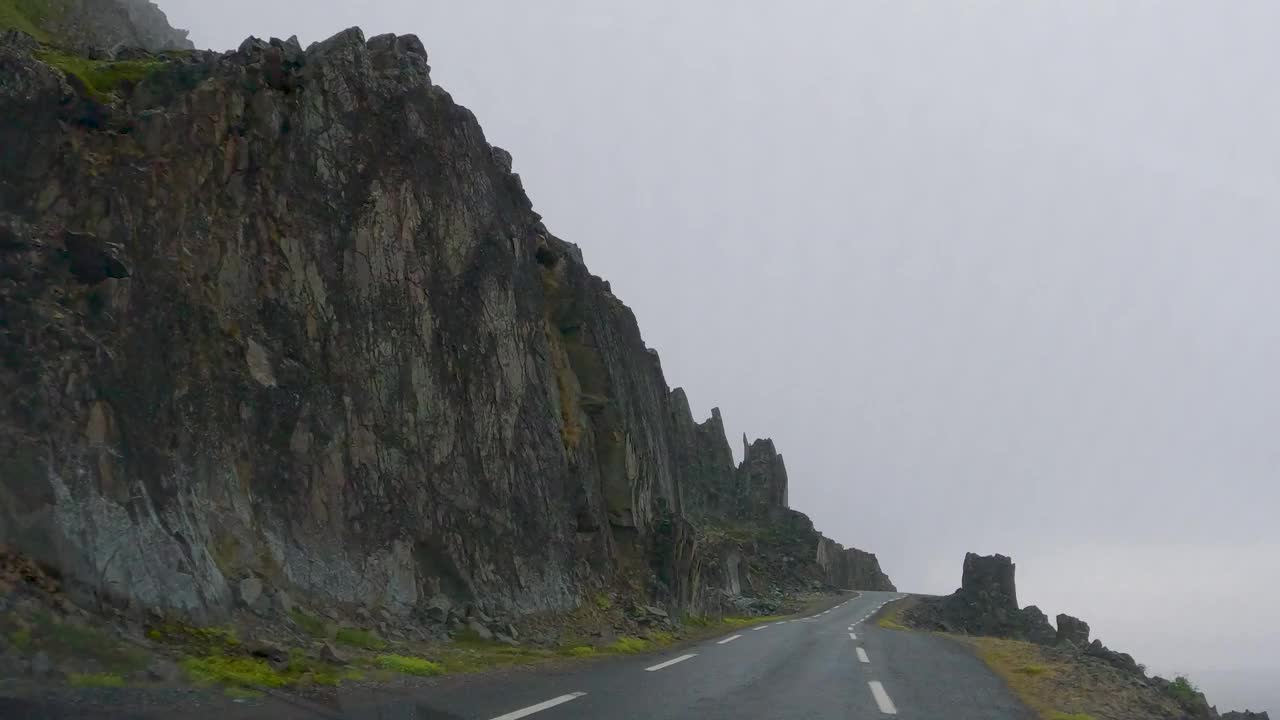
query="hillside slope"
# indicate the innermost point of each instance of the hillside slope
(285, 315)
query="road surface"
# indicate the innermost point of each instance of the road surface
(835, 664)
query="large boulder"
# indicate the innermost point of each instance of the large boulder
(988, 581)
(1035, 626)
(1072, 630)
(1124, 661)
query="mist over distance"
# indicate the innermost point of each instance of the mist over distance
(995, 278)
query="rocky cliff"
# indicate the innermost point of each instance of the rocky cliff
(986, 604)
(284, 314)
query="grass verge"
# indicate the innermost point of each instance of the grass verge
(95, 680)
(410, 665)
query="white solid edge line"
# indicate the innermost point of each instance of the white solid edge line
(882, 698)
(862, 656)
(671, 662)
(525, 712)
(852, 636)
(728, 640)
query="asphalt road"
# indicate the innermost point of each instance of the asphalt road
(837, 664)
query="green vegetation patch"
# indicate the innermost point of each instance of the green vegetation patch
(101, 78)
(29, 16)
(70, 641)
(410, 665)
(194, 639)
(740, 622)
(580, 651)
(361, 639)
(243, 671)
(1183, 689)
(628, 645)
(95, 680)
(309, 624)
(1070, 716)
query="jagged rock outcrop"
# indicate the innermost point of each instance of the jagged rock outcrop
(709, 488)
(851, 568)
(762, 478)
(283, 319)
(1246, 715)
(1072, 630)
(986, 604)
(99, 28)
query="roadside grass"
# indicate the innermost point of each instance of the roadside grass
(733, 623)
(892, 617)
(1024, 668)
(95, 680)
(362, 639)
(1070, 716)
(407, 665)
(65, 641)
(628, 645)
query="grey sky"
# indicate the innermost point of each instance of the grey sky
(999, 277)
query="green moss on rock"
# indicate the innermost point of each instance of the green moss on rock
(101, 78)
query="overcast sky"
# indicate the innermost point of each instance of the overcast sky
(1000, 277)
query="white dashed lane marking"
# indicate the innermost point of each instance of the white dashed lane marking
(853, 636)
(762, 627)
(671, 662)
(862, 656)
(882, 698)
(728, 640)
(525, 712)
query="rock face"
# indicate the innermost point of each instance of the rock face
(100, 28)
(1246, 715)
(1072, 630)
(986, 604)
(851, 568)
(285, 313)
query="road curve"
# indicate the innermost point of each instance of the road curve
(834, 664)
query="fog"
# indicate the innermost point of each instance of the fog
(999, 277)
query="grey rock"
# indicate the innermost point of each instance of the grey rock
(437, 609)
(332, 655)
(1072, 630)
(266, 649)
(511, 630)
(252, 595)
(1121, 660)
(252, 45)
(1245, 715)
(91, 260)
(41, 665)
(1034, 626)
(282, 603)
(327, 316)
(163, 670)
(655, 611)
(506, 639)
(501, 158)
(480, 630)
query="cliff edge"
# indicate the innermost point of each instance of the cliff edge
(282, 316)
